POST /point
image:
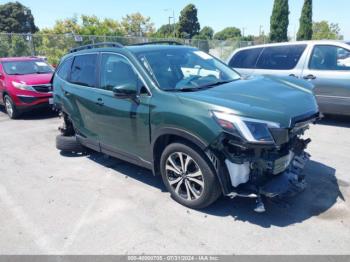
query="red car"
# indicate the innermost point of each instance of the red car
(24, 84)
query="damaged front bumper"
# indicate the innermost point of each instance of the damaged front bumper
(287, 183)
(258, 171)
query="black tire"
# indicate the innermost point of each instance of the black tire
(69, 144)
(12, 112)
(211, 190)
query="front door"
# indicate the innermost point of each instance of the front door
(329, 71)
(124, 123)
(2, 83)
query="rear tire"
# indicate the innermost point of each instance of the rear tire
(188, 175)
(69, 144)
(10, 108)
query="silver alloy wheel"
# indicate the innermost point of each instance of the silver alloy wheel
(184, 176)
(9, 108)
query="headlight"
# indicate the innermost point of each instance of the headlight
(22, 86)
(253, 130)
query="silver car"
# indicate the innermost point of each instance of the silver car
(326, 64)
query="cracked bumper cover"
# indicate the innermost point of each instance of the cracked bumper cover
(253, 171)
(290, 182)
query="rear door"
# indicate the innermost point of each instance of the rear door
(244, 61)
(328, 70)
(283, 60)
(82, 97)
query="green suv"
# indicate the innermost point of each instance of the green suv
(188, 117)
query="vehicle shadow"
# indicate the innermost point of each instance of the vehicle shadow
(320, 195)
(332, 120)
(128, 170)
(39, 114)
(36, 114)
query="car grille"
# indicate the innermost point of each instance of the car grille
(43, 88)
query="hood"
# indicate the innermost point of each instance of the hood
(265, 98)
(32, 79)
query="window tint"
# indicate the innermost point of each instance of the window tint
(280, 57)
(84, 70)
(245, 58)
(326, 57)
(27, 67)
(65, 68)
(116, 70)
(184, 68)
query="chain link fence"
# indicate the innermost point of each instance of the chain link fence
(53, 47)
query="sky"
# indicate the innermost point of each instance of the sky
(248, 15)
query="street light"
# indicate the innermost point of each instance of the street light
(171, 17)
(243, 31)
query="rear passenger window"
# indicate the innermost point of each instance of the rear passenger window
(84, 70)
(64, 69)
(245, 58)
(280, 57)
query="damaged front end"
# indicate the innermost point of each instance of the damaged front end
(264, 163)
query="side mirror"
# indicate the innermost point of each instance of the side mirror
(125, 91)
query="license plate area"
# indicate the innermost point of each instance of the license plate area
(282, 163)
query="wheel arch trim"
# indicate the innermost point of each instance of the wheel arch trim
(180, 133)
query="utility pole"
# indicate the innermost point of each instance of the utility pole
(243, 31)
(171, 17)
(260, 30)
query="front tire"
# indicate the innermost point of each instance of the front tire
(188, 176)
(10, 108)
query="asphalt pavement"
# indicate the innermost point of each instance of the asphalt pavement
(54, 203)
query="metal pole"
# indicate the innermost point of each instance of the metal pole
(174, 23)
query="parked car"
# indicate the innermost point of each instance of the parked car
(188, 117)
(325, 64)
(24, 84)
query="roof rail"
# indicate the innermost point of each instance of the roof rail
(158, 42)
(103, 44)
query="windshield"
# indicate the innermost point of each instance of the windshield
(185, 69)
(27, 67)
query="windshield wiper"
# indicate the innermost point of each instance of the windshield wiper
(206, 86)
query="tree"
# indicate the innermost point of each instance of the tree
(165, 31)
(56, 41)
(279, 21)
(207, 33)
(137, 25)
(248, 38)
(305, 27)
(16, 18)
(228, 33)
(188, 25)
(326, 30)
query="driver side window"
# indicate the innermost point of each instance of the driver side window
(115, 71)
(327, 57)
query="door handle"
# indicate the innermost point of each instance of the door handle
(293, 75)
(309, 77)
(66, 93)
(99, 102)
